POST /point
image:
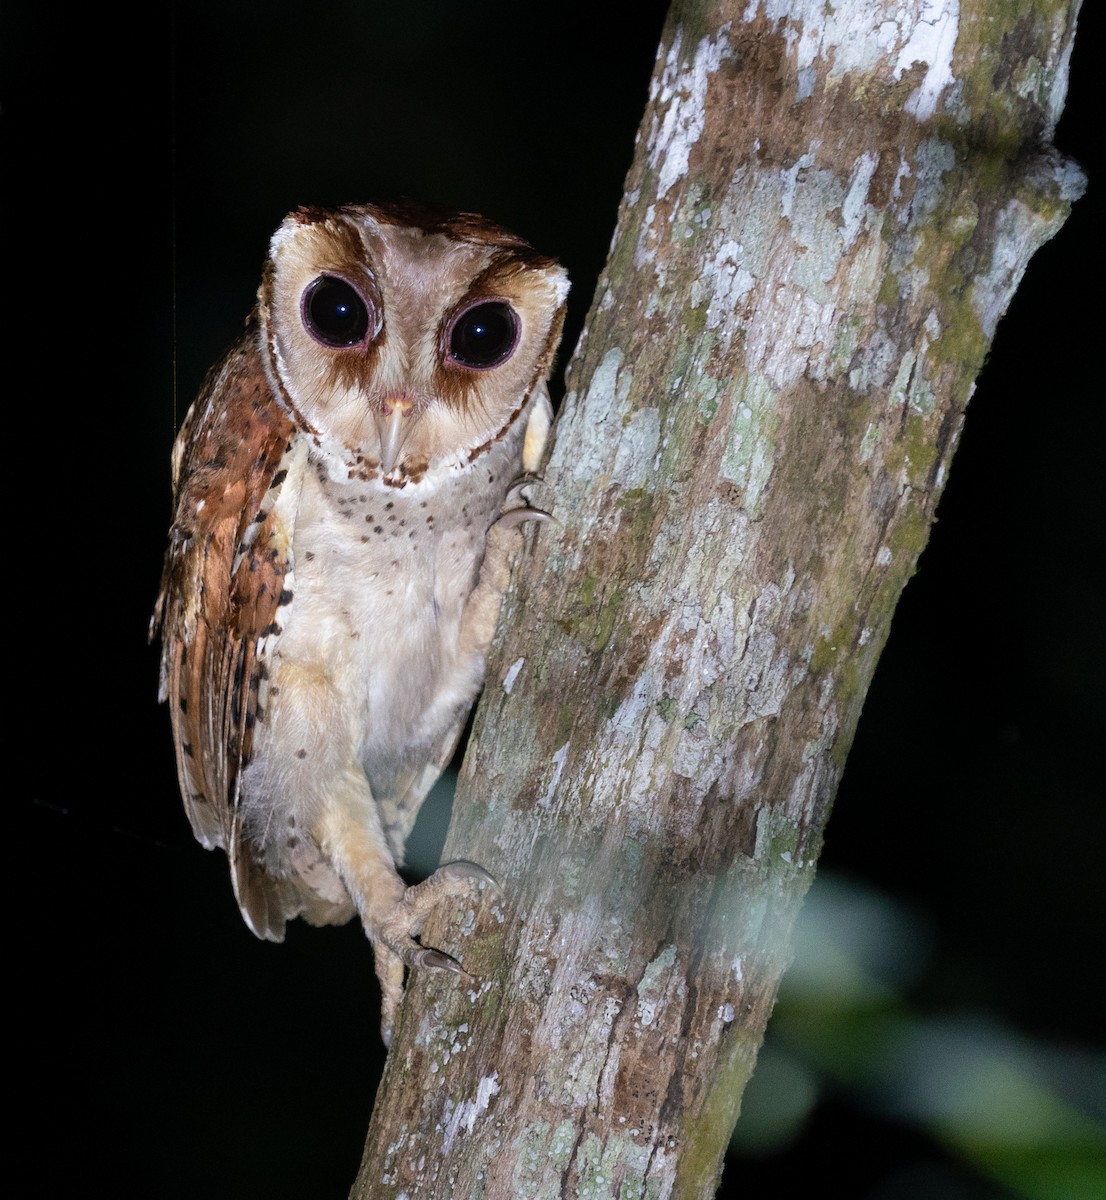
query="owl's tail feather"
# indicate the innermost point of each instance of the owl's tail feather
(268, 903)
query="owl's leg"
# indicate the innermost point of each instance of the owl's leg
(396, 947)
(351, 838)
(482, 607)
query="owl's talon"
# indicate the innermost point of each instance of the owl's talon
(394, 938)
(462, 868)
(515, 516)
(517, 506)
(516, 493)
(437, 960)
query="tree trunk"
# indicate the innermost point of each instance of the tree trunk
(828, 211)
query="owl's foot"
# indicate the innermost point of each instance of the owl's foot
(394, 944)
(482, 607)
(517, 507)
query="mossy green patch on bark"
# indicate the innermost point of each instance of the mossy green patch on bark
(707, 1134)
(909, 534)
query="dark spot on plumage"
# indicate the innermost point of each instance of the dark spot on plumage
(293, 842)
(292, 819)
(369, 518)
(186, 749)
(271, 630)
(437, 609)
(182, 703)
(274, 692)
(301, 753)
(284, 598)
(251, 720)
(308, 555)
(279, 477)
(235, 709)
(412, 533)
(365, 538)
(378, 529)
(263, 671)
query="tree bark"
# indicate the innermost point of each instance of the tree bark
(829, 209)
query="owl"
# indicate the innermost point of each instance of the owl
(348, 487)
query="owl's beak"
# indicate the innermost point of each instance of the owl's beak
(393, 425)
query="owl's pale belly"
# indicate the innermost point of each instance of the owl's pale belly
(370, 667)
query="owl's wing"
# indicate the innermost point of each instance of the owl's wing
(225, 576)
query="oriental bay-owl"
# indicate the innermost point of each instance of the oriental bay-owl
(347, 492)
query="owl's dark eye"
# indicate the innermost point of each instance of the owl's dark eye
(483, 336)
(334, 312)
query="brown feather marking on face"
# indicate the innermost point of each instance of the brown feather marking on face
(459, 386)
(344, 255)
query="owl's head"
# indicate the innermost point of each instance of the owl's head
(401, 339)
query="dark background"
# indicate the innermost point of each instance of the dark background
(167, 1053)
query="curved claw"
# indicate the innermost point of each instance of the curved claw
(424, 956)
(515, 516)
(522, 481)
(462, 868)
